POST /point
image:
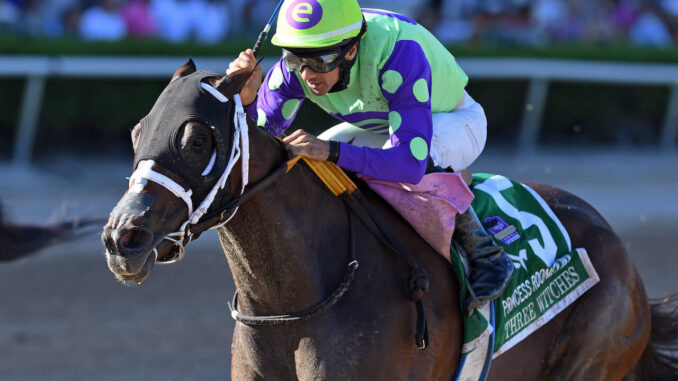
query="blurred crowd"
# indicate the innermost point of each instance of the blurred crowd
(539, 22)
(520, 22)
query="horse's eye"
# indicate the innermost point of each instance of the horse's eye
(198, 142)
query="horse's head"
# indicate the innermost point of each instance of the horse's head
(184, 151)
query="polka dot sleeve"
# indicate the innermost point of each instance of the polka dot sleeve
(405, 82)
(278, 100)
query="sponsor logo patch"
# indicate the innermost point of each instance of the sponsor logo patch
(502, 231)
(304, 14)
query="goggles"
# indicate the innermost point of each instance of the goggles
(322, 63)
(318, 60)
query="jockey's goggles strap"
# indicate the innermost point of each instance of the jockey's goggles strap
(320, 64)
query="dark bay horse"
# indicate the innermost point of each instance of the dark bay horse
(289, 242)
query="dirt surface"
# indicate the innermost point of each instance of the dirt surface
(65, 317)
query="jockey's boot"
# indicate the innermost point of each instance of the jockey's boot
(490, 268)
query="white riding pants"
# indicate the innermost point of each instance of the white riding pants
(458, 136)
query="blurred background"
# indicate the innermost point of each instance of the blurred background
(579, 94)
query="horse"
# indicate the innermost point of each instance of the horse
(288, 240)
(20, 240)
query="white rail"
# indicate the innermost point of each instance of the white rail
(539, 73)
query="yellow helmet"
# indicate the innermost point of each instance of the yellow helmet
(317, 23)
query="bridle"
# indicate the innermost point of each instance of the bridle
(239, 149)
(418, 283)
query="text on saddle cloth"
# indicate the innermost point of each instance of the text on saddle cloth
(549, 274)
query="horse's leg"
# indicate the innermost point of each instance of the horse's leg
(603, 334)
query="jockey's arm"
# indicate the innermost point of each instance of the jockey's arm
(275, 105)
(277, 101)
(246, 59)
(410, 118)
(405, 82)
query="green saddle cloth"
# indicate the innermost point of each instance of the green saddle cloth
(549, 274)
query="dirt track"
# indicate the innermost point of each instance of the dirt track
(64, 316)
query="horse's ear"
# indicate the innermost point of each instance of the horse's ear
(232, 83)
(186, 69)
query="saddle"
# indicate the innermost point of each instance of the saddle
(431, 205)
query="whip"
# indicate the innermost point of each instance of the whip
(264, 33)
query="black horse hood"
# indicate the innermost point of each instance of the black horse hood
(184, 100)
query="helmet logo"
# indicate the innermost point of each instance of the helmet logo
(304, 14)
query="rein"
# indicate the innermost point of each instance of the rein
(315, 310)
(340, 185)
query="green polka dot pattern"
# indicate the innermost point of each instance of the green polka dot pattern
(276, 79)
(420, 90)
(261, 118)
(419, 148)
(391, 81)
(394, 121)
(289, 108)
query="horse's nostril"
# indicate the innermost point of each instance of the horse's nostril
(135, 239)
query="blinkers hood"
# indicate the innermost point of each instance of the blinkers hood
(182, 101)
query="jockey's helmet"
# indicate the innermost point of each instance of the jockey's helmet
(318, 34)
(314, 24)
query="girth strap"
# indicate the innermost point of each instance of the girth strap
(341, 185)
(418, 282)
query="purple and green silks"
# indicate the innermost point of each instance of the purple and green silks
(401, 76)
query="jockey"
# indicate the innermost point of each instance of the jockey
(400, 95)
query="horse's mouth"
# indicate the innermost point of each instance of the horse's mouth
(166, 251)
(131, 272)
(134, 270)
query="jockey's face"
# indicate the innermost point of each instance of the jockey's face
(321, 83)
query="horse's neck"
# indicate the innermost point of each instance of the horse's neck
(286, 245)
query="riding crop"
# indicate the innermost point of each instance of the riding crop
(264, 33)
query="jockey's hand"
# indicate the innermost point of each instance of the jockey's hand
(246, 60)
(301, 142)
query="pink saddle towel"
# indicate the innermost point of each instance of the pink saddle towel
(429, 206)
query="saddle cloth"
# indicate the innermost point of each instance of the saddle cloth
(549, 275)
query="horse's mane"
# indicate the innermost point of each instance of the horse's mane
(361, 184)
